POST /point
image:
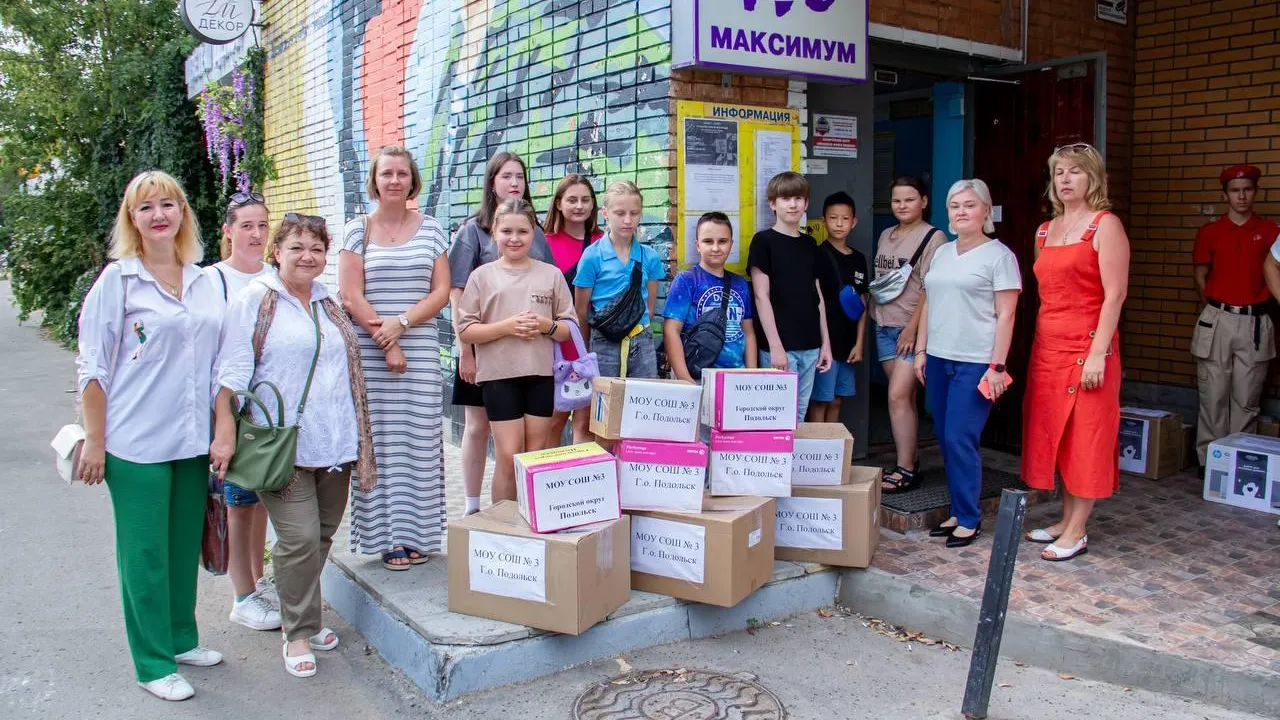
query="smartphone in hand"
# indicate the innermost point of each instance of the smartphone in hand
(984, 386)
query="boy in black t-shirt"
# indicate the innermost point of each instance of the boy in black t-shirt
(846, 316)
(785, 266)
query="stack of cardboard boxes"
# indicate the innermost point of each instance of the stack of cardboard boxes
(765, 477)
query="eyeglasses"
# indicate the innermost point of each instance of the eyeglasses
(303, 218)
(240, 199)
(1075, 146)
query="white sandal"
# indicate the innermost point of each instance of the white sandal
(1060, 553)
(291, 663)
(1040, 535)
(316, 641)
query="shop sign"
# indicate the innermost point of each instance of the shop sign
(819, 39)
(216, 22)
(1116, 11)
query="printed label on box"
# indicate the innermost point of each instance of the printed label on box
(660, 411)
(661, 486)
(750, 473)
(810, 523)
(818, 461)
(575, 495)
(1251, 476)
(755, 401)
(508, 566)
(1134, 435)
(753, 539)
(670, 549)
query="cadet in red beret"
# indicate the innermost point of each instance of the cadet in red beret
(1234, 338)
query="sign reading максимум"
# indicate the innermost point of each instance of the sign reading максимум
(216, 22)
(821, 39)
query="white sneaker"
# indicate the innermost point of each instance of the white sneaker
(199, 657)
(267, 590)
(172, 687)
(255, 612)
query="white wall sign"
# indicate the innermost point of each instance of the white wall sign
(1116, 11)
(821, 39)
(216, 22)
(670, 549)
(508, 566)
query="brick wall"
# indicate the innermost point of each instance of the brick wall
(1207, 95)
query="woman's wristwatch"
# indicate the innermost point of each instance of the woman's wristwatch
(551, 329)
(404, 321)
(998, 367)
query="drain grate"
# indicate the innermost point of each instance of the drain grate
(678, 695)
(932, 493)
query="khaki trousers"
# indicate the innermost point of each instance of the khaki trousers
(305, 515)
(1232, 353)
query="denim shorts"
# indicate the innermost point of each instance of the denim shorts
(642, 360)
(836, 382)
(887, 342)
(237, 496)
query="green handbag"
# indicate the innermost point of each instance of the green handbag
(266, 454)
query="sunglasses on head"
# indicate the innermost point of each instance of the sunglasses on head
(1074, 146)
(240, 199)
(300, 217)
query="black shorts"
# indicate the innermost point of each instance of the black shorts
(465, 393)
(513, 398)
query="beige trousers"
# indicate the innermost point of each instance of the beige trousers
(1231, 366)
(305, 515)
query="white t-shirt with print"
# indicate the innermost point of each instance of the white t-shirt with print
(962, 302)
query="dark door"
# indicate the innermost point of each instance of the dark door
(1018, 121)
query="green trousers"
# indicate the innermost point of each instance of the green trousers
(159, 514)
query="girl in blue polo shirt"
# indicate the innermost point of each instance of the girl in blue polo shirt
(615, 299)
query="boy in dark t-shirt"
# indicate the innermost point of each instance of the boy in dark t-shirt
(846, 267)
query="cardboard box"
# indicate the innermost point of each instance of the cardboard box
(833, 525)
(822, 454)
(1244, 470)
(1151, 442)
(743, 399)
(645, 409)
(1268, 426)
(565, 487)
(499, 568)
(751, 463)
(718, 556)
(656, 475)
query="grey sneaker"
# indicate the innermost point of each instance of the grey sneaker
(255, 613)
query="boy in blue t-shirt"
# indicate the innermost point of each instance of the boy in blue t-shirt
(699, 290)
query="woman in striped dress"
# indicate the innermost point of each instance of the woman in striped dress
(393, 272)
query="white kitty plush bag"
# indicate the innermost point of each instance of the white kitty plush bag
(573, 376)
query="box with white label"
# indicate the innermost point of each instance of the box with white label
(1151, 442)
(833, 525)
(744, 399)
(656, 475)
(565, 487)
(821, 455)
(1244, 470)
(718, 556)
(645, 409)
(751, 463)
(499, 568)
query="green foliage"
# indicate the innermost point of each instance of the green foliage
(90, 95)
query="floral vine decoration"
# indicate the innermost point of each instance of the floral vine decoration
(232, 118)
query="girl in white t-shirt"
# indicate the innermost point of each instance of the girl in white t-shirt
(245, 233)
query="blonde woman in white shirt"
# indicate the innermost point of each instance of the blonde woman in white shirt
(255, 604)
(148, 340)
(274, 331)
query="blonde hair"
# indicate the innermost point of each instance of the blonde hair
(126, 239)
(1088, 159)
(515, 206)
(371, 184)
(619, 188)
(979, 188)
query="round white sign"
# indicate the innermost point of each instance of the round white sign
(216, 22)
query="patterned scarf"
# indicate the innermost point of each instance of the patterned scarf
(366, 471)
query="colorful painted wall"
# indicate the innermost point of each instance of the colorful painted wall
(573, 86)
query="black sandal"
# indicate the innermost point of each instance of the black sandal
(905, 481)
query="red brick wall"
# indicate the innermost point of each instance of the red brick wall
(1206, 95)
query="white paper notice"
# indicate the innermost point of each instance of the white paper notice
(757, 401)
(751, 473)
(660, 411)
(508, 566)
(810, 523)
(575, 495)
(773, 156)
(818, 461)
(670, 549)
(691, 256)
(835, 136)
(711, 165)
(660, 486)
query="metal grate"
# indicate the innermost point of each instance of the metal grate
(932, 492)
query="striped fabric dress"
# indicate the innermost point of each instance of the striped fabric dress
(406, 509)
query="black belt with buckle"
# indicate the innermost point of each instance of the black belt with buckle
(1255, 309)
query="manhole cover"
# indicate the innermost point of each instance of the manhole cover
(678, 695)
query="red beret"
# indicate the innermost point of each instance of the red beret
(1235, 172)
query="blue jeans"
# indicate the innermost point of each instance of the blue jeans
(837, 381)
(887, 342)
(959, 414)
(803, 363)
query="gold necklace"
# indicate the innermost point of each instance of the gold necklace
(393, 237)
(174, 290)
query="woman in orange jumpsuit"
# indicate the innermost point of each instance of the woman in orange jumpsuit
(1071, 417)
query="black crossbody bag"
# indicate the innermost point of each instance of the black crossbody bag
(704, 338)
(616, 320)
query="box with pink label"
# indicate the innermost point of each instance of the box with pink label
(751, 463)
(662, 475)
(566, 487)
(741, 399)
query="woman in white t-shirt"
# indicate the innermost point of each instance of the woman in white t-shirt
(971, 295)
(245, 232)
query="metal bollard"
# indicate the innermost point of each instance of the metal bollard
(995, 604)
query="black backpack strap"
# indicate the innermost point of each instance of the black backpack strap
(724, 292)
(224, 282)
(637, 274)
(915, 258)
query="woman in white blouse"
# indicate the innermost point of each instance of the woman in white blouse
(148, 340)
(273, 332)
